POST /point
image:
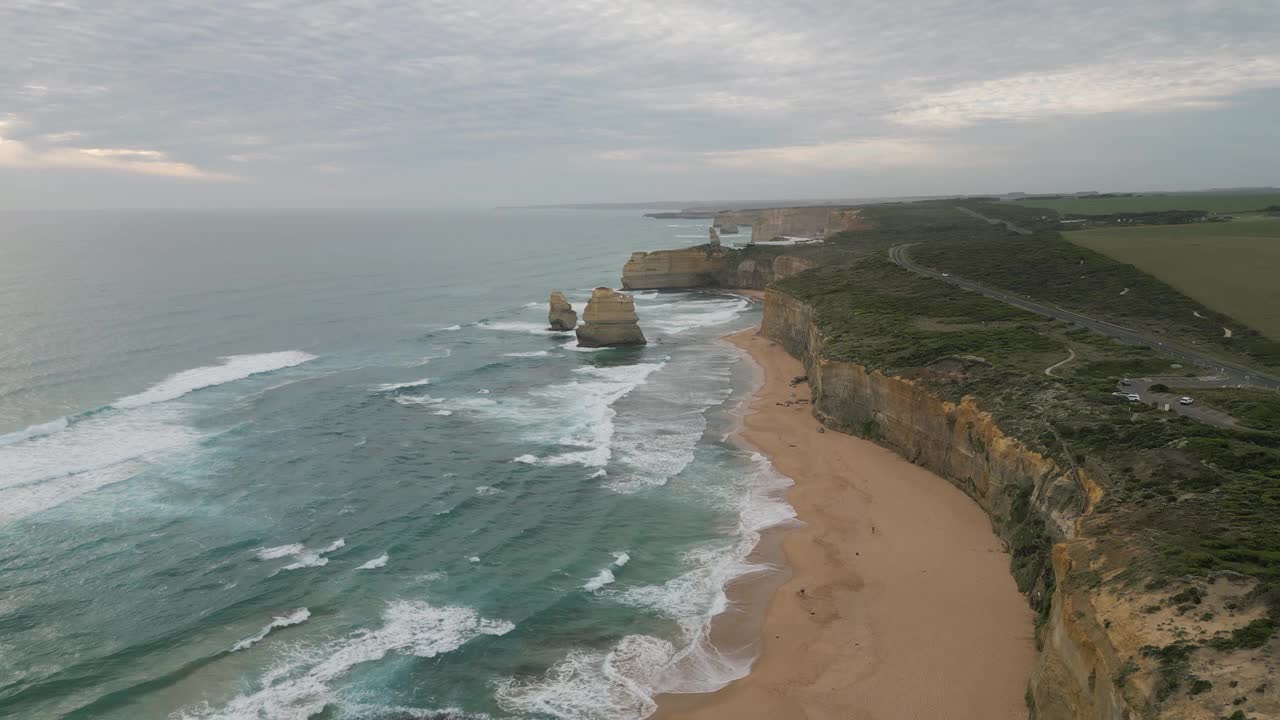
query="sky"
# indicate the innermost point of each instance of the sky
(443, 103)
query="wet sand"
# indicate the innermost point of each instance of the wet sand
(898, 603)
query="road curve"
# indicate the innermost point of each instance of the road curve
(1232, 374)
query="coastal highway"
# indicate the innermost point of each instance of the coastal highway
(1228, 373)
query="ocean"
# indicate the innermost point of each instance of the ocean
(330, 464)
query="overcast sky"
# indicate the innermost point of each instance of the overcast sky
(422, 103)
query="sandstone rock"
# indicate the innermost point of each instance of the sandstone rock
(562, 316)
(687, 267)
(609, 320)
(714, 237)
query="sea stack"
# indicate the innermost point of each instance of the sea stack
(714, 237)
(562, 316)
(609, 320)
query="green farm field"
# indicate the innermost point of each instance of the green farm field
(1232, 267)
(1209, 202)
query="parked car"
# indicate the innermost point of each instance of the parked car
(1185, 401)
(1134, 397)
(1126, 382)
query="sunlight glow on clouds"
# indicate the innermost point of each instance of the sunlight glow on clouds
(17, 154)
(1095, 89)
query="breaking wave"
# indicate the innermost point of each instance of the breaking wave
(392, 387)
(301, 684)
(234, 367)
(374, 564)
(623, 681)
(294, 618)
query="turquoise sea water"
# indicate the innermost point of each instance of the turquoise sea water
(330, 465)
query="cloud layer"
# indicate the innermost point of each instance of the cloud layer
(462, 95)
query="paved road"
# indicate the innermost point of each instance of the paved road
(1007, 223)
(1230, 373)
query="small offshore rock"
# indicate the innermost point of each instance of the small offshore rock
(562, 316)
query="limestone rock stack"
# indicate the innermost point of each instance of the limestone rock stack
(609, 320)
(562, 316)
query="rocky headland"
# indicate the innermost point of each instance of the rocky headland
(711, 266)
(610, 320)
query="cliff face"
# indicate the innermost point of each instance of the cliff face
(684, 268)
(1015, 485)
(609, 320)
(708, 266)
(803, 222)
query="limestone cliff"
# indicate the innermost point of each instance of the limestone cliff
(561, 316)
(803, 222)
(689, 267)
(1108, 651)
(964, 445)
(708, 266)
(609, 320)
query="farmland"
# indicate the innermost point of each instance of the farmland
(1230, 267)
(1106, 205)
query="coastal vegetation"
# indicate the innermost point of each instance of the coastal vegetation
(1048, 268)
(1186, 510)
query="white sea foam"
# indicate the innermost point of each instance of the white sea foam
(523, 327)
(233, 367)
(487, 491)
(451, 328)
(294, 618)
(47, 470)
(593, 685)
(527, 459)
(655, 445)
(391, 387)
(301, 684)
(531, 354)
(580, 413)
(49, 464)
(604, 577)
(482, 391)
(279, 551)
(677, 317)
(34, 431)
(443, 413)
(572, 345)
(411, 400)
(599, 473)
(305, 560)
(621, 683)
(374, 564)
(303, 557)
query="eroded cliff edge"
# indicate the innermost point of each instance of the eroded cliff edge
(1109, 650)
(711, 266)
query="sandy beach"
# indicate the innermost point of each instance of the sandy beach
(899, 604)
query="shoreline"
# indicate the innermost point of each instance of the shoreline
(908, 608)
